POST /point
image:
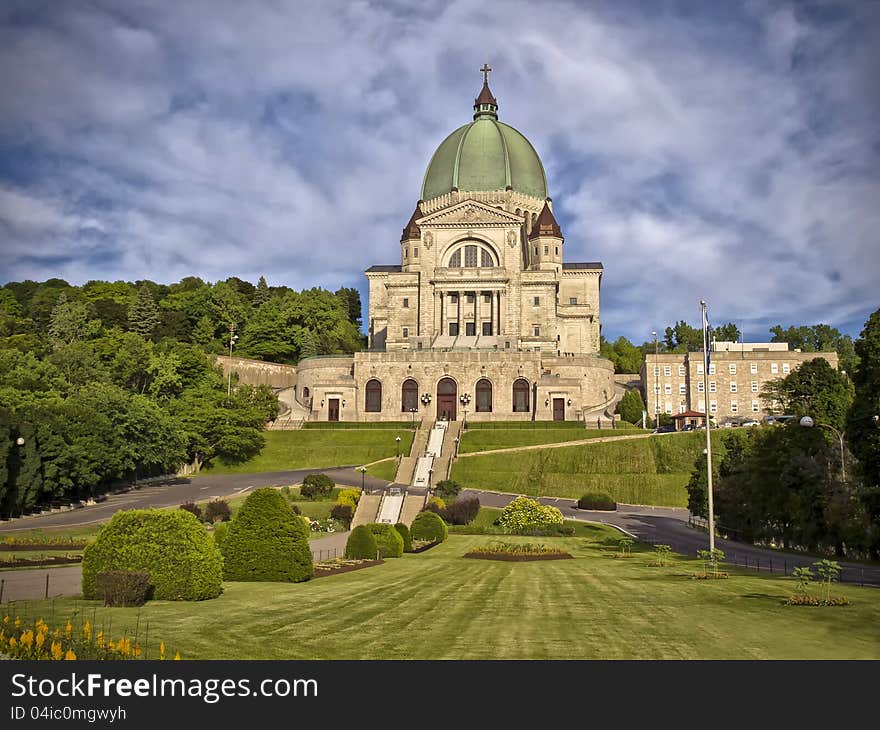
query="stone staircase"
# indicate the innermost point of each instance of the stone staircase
(407, 468)
(443, 463)
(412, 505)
(367, 510)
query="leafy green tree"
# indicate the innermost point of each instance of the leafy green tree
(814, 389)
(143, 314)
(71, 322)
(830, 572)
(631, 407)
(804, 577)
(351, 298)
(818, 338)
(78, 365)
(863, 432)
(166, 381)
(205, 333)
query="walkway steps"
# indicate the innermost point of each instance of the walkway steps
(406, 470)
(367, 510)
(412, 505)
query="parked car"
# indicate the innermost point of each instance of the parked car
(665, 429)
(750, 423)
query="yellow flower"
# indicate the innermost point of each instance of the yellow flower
(42, 626)
(99, 639)
(12, 642)
(177, 656)
(17, 622)
(87, 630)
(161, 649)
(57, 633)
(69, 655)
(55, 650)
(27, 639)
(6, 620)
(68, 628)
(137, 649)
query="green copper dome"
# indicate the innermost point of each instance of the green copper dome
(485, 155)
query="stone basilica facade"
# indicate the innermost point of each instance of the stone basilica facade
(482, 318)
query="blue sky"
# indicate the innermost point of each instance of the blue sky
(725, 151)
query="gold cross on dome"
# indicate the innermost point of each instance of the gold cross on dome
(485, 70)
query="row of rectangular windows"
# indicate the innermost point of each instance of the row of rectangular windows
(713, 387)
(731, 368)
(713, 407)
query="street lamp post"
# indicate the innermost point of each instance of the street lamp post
(398, 447)
(232, 338)
(363, 471)
(455, 441)
(430, 474)
(808, 422)
(465, 398)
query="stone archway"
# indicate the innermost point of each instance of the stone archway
(447, 396)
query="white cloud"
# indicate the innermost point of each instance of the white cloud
(688, 153)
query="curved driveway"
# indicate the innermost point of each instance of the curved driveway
(669, 526)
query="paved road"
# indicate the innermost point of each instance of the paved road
(180, 490)
(669, 526)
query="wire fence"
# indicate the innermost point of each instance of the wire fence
(326, 554)
(783, 564)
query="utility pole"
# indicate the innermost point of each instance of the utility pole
(656, 382)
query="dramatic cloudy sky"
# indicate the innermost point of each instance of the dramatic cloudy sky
(715, 150)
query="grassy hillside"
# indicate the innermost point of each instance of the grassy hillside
(321, 448)
(639, 471)
(485, 439)
(591, 607)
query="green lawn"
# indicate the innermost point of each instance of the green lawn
(320, 448)
(85, 532)
(475, 440)
(386, 470)
(438, 605)
(640, 471)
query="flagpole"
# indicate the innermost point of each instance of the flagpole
(708, 436)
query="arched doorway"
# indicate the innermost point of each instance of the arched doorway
(409, 396)
(521, 395)
(484, 396)
(447, 391)
(373, 396)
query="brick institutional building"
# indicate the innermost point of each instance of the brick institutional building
(673, 382)
(482, 314)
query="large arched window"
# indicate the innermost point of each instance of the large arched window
(373, 399)
(472, 255)
(521, 396)
(409, 395)
(484, 396)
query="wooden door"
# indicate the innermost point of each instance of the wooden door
(559, 409)
(333, 409)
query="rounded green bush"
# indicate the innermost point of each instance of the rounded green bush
(403, 531)
(596, 500)
(388, 540)
(173, 547)
(267, 541)
(220, 531)
(317, 486)
(429, 526)
(361, 544)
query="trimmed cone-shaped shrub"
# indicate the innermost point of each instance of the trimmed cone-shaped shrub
(361, 544)
(388, 540)
(429, 526)
(172, 546)
(267, 541)
(403, 530)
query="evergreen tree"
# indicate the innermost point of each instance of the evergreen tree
(631, 407)
(143, 314)
(261, 294)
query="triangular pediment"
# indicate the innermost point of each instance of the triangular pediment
(469, 214)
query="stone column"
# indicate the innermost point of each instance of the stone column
(476, 312)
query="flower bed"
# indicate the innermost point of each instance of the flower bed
(342, 565)
(40, 562)
(419, 546)
(517, 552)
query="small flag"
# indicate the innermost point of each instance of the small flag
(706, 329)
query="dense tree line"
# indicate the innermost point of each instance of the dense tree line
(792, 484)
(115, 380)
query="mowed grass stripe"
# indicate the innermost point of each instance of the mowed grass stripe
(319, 449)
(650, 471)
(439, 605)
